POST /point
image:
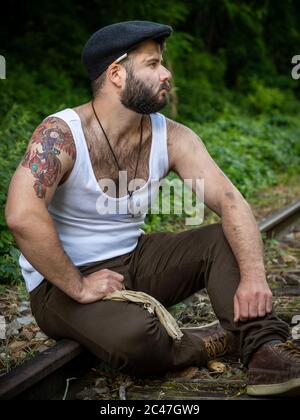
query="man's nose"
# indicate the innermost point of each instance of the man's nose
(166, 74)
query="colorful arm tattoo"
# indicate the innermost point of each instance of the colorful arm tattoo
(45, 165)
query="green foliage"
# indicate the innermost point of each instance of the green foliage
(252, 152)
(231, 65)
(265, 99)
(14, 129)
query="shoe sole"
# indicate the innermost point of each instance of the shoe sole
(289, 389)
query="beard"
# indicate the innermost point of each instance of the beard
(140, 98)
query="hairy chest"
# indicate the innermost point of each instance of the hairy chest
(127, 154)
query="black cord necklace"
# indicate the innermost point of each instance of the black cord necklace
(139, 152)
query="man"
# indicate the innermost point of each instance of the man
(74, 253)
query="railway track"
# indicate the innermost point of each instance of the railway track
(46, 376)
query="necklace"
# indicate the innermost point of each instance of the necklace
(116, 160)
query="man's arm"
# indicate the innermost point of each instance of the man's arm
(49, 158)
(190, 160)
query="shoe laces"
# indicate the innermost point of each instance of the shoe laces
(290, 349)
(216, 345)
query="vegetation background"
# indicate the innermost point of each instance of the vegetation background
(232, 83)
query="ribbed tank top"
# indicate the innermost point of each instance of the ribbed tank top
(79, 205)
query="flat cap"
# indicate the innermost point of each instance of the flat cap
(110, 42)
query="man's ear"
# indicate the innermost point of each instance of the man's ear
(116, 74)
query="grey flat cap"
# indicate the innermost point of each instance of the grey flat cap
(110, 42)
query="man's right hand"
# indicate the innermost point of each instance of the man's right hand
(99, 284)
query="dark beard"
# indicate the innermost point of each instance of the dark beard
(140, 98)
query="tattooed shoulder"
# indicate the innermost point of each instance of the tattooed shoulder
(42, 157)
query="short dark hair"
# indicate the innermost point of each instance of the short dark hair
(97, 84)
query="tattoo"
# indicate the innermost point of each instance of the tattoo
(45, 165)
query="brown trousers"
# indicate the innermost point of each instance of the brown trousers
(170, 267)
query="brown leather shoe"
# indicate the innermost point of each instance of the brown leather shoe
(275, 370)
(216, 341)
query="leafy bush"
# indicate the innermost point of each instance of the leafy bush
(265, 99)
(15, 128)
(252, 152)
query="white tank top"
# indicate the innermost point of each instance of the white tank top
(79, 205)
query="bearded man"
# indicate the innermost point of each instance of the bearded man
(70, 210)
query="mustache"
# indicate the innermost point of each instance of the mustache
(165, 86)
